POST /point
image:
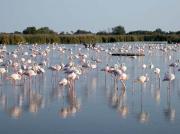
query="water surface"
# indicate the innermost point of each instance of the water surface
(97, 112)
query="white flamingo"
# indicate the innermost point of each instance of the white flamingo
(15, 77)
(157, 72)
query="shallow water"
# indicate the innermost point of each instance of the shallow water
(147, 108)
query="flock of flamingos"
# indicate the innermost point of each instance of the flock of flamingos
(27, 65)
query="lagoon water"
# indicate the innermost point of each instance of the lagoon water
(145, 109)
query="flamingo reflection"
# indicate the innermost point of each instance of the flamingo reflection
(143, 116)
(169, 111)
(73, 102)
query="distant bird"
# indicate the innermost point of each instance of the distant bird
(106, 69)
(14, 77)
(169, 76)
(174, 64)
(72, 76)
(142, 79)
(2, 71)
(151, 66)
(63, 82)
(1, 60)
(123, 77)
(30, 73)
(93, 66)
(157, 72)
(123, 68)
(144, 66)
(55, 67)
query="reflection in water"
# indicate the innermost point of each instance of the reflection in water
(93, 76)
(123, 108)
(169, 111)
(118, 100)
(35, 102)
(15, 111)
(3, 100)
(73, 104)
(157, 95)
(143, 116)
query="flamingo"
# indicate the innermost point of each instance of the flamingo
(123, 77)
(144, 66)
(169, 77)
(123, 68)
(71, 77)
(106, 70)
(1, 60)
(2, 71)
(157, 72)
(151, 66)
(63, 82)
(15, 77)
(30, 73)
(143, 116)
(142, 79)
(93, 66)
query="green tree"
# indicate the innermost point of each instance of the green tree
(118, 30)
(159, 31)
(102, 33)
(82, 32)
(45, 30)
(29, 30)
(17, 32)
(141, 32)
(178, 32)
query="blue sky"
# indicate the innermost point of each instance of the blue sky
(93, 15)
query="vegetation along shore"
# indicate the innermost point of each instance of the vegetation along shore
(45, 35)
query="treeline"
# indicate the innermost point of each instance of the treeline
(45, 35)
